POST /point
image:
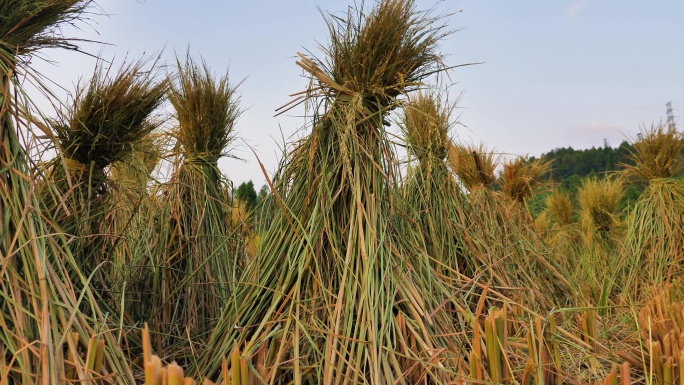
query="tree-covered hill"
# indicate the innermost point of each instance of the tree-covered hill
(569, 166)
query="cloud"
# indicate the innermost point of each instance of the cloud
(575, 8)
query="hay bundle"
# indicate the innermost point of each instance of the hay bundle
(332, 295)
(655, 226)
(520, 177)
(599, 203)
(196, 258)
(658, 154)
(559, 207)
(431, 191)
(474, 165)
(655, 230)
(105, 123)
(560, 230)
(39, 301)
(500, 237)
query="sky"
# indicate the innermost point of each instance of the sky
(554, 74)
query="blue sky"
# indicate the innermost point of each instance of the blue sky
(556, 73)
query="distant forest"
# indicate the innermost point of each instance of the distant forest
(569, 166)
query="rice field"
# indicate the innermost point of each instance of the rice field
(387, 252)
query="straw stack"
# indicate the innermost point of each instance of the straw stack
(520, 177)
(42, 328)
(431, 190)
(108, 119)
(655, 226)
(331, 295)
(195, 253)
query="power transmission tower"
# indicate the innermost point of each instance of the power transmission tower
(670, 116)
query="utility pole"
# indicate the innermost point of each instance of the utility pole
(670, 116)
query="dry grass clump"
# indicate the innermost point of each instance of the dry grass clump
(474, 165)
(197, 253)
(107, 120)
(43, 317)
(430, 189)
(334, 292)
(520, 177)
(599, 202)
(559, 206)
(658, 154)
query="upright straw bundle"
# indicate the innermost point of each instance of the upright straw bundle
(520, 177)
(332, 295)
(658, 154)
(498, 234)
(196, 253)
(431, 190)
(655, 226)
(474, 165)
(599, 203)
(44, 320)
(559, 206)
(108, 119)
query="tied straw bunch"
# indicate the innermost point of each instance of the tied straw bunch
(107, 125)
(655, 227)
(195, 253)
(336, 293)
(431, 190)
(43, 321)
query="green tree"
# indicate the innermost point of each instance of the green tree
(246, 193)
